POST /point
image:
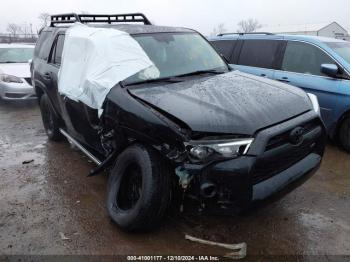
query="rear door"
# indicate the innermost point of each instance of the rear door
(301, 67)
(259, 57)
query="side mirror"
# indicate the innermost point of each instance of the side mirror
(331, 70)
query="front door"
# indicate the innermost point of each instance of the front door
(301, 67)
(81, 121)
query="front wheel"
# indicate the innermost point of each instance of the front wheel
(344, 134)
(50, 120)
(138, 189)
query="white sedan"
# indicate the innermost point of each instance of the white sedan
(15, 81)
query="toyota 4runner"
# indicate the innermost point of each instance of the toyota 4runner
(224, 138)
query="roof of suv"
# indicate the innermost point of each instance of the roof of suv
(134, 28)
(117, 21)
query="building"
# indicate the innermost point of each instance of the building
(333, 30)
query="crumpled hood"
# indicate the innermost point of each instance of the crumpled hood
(232, 103)
(15, 69)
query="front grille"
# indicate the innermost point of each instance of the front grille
(280, 154)
(282, 139)
(28, 80)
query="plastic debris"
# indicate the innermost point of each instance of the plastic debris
(112, 57)
(240, 250)
(63, 237)
(184, 177)
(28, 162)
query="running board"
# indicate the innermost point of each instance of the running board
(82, 149)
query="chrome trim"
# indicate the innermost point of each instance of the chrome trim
(82, 149)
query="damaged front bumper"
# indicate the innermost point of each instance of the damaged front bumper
(273, 165)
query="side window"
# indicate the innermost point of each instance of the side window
(304, 58)
(42, 48)
(225, 47)
(56, 50)
(259, 53)
(59, 49)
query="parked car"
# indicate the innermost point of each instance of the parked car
(318, 65)
(15, 81)
(222, 137)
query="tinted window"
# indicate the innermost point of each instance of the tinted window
(43, 46)
(59, 49)
(304, 58)
(259, 53)
(225, 48)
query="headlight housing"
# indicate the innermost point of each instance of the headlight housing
(315, 103)
(210, 150)
(10, 79)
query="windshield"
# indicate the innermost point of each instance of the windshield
(16, 55)
(176, 54)
(342, 49)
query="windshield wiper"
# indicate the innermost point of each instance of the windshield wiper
(174, 79)
(10, 62)
(164, 79)
(199, 72)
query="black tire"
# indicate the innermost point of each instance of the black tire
(344, 134)
(50, 120)
(139, 189)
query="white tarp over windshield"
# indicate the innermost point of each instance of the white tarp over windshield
(96, 59)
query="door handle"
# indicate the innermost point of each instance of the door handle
(47, 76)
(263, 75)
(284, 79)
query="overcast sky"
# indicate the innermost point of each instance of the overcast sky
(201, 15)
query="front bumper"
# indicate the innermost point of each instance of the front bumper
(272, 166)
(17, 91)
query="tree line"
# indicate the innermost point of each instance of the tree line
(26, 30)
(244, 26)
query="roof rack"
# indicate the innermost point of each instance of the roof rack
(89, 18)
(252, 33)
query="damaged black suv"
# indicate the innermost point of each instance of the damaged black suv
(224, 138)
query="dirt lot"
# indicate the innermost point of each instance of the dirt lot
(51, 196)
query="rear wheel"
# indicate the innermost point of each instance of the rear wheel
(50, 120)
(138, 189)
(344, 134)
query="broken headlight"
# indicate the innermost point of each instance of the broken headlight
(10, 79)
(210, 150)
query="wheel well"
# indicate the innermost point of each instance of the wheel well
(340, 122)
(39, 93)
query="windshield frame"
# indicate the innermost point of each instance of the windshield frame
(226, 70)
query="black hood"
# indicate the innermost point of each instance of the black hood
(231, 103)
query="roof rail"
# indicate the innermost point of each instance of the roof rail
(90, 18)
(251, 33)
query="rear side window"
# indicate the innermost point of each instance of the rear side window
(59, 49)
(42, 48)
(56, 51)
(259, 53)
(304, 58)
(225, 47)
